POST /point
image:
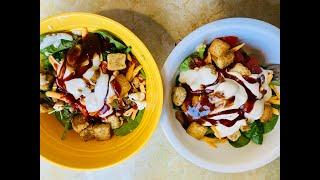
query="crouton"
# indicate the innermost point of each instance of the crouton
(235, 136)
(239, 68)
(218, 48)
(79, 123)
(179, 95)
(224, 61)
(116, 61)
(124, 85)
(196, 130)
(267, 113)
(114, 121)
(102, 131)
(87, 133)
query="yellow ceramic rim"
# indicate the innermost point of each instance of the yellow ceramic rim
(52, 147)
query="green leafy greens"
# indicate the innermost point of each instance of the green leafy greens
(65, 117)
(119, 45)
(201, 49)
(130, 125)
(185, 65)
(269, 125)
(65, 44)
(256, 132)
(242, 141)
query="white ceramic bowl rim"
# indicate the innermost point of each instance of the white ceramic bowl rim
(270, 33)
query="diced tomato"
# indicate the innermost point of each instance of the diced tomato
(199, 62)
(238, 57)
(103, 67)
(231, 40)
(253, 65)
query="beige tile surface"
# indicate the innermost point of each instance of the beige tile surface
(159, 24)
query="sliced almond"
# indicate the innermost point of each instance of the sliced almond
(136, 71)
(54, 62)
(142, 89)
(57, 95)
(134, 113)
(129, 57)
(234, 49)
(128, 112)
(84, 32)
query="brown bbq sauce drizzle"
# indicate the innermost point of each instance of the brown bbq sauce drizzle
(75, 56)
(204, 101)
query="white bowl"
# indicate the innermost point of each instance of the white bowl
(255, 33)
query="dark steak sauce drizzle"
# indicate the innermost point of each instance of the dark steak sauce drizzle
(204, 101)
(89, 46)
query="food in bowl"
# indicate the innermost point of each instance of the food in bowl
(92, 83)
(223, 94)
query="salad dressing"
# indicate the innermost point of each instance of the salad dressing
(205, 103)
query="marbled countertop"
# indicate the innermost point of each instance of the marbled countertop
(159, 24)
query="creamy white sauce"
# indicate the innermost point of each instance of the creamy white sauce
(90, 72)
(230, 116)
(54, 39)
(94, 101)
(237, 90)
(77, 87)
(256, 111)
(138, 99)
(254, 88)
(224, 131)
(197, 77)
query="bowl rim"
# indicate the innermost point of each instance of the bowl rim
(175, 142)
(157, 113)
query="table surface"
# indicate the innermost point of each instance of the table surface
(160, 24)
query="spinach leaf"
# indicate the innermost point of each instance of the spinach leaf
(67, 126)
(269, 125)
(128, 50)
(275, 82)
(277, 106)
(44, 62)
(65, 44)
(201, 49)
(143, 74)
(177, 79)
(242, 141)
(130, 126)
(42, 36)
(104, 55)
(65, 118)
(184, 66)
(210, 133)
(256, 132)
(111, 38)
(59, 55)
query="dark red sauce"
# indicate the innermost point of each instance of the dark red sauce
(204, 100)
(116, 86)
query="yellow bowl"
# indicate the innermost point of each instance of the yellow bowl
(76, 154)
